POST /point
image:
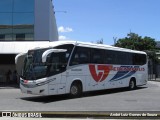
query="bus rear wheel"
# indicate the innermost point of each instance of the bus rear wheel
(75, 90)
(132, 84)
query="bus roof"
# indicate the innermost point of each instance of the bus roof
(90, 45)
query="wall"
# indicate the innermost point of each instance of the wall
(45, 23)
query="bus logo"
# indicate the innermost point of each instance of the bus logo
(102, 74)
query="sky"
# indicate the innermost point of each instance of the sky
(93, 20)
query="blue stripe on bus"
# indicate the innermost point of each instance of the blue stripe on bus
(124, 74)
(121, 73)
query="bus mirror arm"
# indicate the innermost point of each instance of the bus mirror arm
(18, 56)
(47, 52)
(19, 62)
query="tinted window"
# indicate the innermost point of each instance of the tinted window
(110, 57)
(81, 55)
(6, 5)
(124, 58)
(117, 57)
(17, 17)
(20, 37)
(5, 19)
(128, 58)
(139, 59)
(23, 18)
(2, 37)
(23, 24)
(58, 61)
(69, 49)
(97, 56)
(84, 55)
(23, 6)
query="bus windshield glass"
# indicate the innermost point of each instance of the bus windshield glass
(33, 66)
(35, 69)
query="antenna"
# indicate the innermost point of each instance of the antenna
(60, 11)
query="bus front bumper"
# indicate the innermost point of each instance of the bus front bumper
(37, 90)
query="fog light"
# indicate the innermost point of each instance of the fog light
(41, 91)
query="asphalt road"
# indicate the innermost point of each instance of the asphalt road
(146, 98)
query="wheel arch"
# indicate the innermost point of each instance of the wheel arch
(76, 88)
(77, 81)
(134, 79)
(132, 83)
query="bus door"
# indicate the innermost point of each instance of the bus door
(79, 65)
(56, 67)
(75, 73)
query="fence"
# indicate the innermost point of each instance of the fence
(153, 71)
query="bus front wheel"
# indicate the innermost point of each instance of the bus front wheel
(75, 90)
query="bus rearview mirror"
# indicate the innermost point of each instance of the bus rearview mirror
(47, 52)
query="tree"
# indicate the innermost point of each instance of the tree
(136, 42)
(100, 41)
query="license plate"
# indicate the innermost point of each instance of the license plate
(29, 92)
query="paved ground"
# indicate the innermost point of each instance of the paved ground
(145, 98)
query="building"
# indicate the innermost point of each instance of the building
(24, 24)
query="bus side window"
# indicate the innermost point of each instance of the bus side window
(110, 57)
(81, 55)
(139, 59)
(76, 59)
(97, 56)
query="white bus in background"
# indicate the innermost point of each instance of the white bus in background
(68, 67)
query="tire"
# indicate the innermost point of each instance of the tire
(75, 90)
(132, 84)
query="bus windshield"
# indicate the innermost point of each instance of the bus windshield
(34, 68)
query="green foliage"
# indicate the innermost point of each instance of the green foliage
(100, 41)
(136, 42)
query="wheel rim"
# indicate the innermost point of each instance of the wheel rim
(74, 90)
(132, 85)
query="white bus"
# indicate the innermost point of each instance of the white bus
(68, 67)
